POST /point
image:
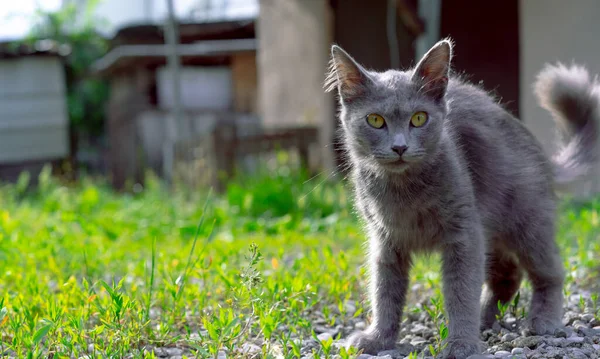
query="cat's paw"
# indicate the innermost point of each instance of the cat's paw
(370, 342)
(461, 348)
(539, 325)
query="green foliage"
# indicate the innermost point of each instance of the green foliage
(74, 29)
(87, 271)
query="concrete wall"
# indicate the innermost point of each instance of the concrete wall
(294, 38)
(550, 31)
(33, 115)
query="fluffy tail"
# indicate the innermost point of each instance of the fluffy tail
(573, 99)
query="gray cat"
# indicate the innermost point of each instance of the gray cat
(439, 165)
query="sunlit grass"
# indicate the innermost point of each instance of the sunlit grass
(86, 271)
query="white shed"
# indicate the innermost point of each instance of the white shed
(33, 110)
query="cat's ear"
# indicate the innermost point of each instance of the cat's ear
(345, 74)
(431, 74)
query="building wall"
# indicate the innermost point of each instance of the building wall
(551, 31)
(202, 87)
(294, 38)
(33, 119)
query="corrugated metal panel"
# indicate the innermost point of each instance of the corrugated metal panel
(33, 113)
(33, 144)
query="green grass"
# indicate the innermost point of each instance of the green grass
(86, 271)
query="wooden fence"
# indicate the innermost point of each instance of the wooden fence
(212, 159)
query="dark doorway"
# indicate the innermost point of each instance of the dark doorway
(487, 44)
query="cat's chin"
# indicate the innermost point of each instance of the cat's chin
(397, 167)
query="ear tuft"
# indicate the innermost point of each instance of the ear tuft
(346, 75)
(432, 72)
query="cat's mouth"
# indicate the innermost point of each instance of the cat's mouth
(394, 165)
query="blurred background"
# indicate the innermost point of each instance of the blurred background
(119, 117)
(195, 90)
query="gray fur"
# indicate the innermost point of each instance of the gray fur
(473, 184)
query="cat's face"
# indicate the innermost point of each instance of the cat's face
(392, 120)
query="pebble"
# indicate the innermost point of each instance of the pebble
(249, 348)
(400, 352)
(530, 342)
(221, 355)
(509, 337)
(364, 356)
(587, 317)
(416, 341)
(174, 351)
(570, 317)
(517, 351)
(588, 332)
(577, 354)
(502, 353)
(420, 329)
(324, 336)
(360, 325)
(560, 333)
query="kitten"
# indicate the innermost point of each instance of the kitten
(439, 165)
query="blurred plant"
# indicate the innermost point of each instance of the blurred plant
(73, 30)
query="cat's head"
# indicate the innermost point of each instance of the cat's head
(391, 120)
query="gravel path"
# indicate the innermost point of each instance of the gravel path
(579, 339)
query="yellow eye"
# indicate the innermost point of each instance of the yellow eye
(418, 119)
(375, 120)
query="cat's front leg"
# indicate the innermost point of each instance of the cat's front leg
(463, 275)
(389, 277)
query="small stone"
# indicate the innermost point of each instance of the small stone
(517, 351)
(480, 356)
(509, 337)
(174, 351)
(418, 341)
(324, 336)
(360, 325)
(502, 353)
(350, 306)
(487, 334)
(364, 356)
(401, 351)
(587, 317)
(579, 324)
(383, 357)
(249, 348)
(570, 317)
(160, 352)
(574, 341)
(556, 342)
(530, 342)
(554, 353)
(577, 354)
(309, 343)
(595, 322)
(588, 332)
(221, 355)
(419, 329)
(560, 333)
(496, 327)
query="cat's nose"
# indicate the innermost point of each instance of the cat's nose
(399, 149)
